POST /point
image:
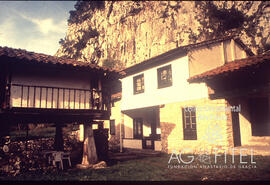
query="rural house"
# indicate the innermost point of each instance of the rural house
(200, 96)
(38, 88)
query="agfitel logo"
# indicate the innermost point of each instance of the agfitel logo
(206, 158)
(214, 136)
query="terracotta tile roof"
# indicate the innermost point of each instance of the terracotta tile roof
(232, 66)
(21, 54)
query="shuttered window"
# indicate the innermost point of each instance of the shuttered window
(138, 84)
(164, 76)
(189, 123)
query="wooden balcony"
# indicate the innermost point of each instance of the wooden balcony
(43, 103)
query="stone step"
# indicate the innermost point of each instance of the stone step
(263, 139)
(257, 150)
(259, 143)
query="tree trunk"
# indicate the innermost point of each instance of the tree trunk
(89, 147)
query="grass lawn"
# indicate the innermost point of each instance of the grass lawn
(156, 168)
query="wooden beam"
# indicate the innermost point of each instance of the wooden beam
(222, 52)
(27, 133)
(232, 49)
(100, 92)
(6, 86)
(58, 139)
(25, 117)
(245, 92)
(210, 90)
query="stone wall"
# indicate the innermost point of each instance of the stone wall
(211, 133)
(229, 128)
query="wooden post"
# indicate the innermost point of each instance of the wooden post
(100, 93)
(222, 53)
(3, 85)
(7, 88)
(81, 133)
(58, 139)
(89, 147)
(232, 50)
(27, 133)
(120, 134)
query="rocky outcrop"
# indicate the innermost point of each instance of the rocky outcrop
(128, 32)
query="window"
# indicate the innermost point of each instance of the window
(189, 123)
(137, 128)
(112, 127)
(164, 76)
(138, 84)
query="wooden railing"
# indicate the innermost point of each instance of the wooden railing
(31, 96)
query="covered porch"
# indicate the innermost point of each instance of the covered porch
(244, 82)
(142, 128)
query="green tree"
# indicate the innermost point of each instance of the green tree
(113, 64)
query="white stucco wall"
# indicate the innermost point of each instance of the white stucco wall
(128, 127)
(132, 143)
(233, 51)
(181, 90)
(239, 52)
(158, 146)
(200, 59)
(205, 58)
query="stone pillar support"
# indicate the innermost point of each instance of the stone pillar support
(89, 147)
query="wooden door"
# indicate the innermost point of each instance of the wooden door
(148, 143)
(236, 129)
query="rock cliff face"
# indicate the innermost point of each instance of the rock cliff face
(123, 33)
